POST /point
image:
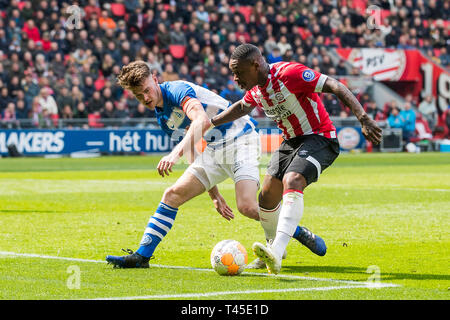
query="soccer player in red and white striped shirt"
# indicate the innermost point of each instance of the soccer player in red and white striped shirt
(288, 94)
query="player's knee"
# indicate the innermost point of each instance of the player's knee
(173, 196)
(294, 180)
(267, 201)
(249, 210)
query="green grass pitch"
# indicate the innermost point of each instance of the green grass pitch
(385, 219)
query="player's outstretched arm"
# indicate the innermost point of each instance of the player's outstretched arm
(235, 111)
(199, 125)
(370, 128)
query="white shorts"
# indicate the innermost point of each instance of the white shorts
(238, 160)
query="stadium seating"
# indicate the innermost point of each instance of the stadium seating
(94, 121)
(55, 119)
(177, 51)
(118, 9)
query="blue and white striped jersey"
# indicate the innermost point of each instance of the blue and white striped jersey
(172, 118)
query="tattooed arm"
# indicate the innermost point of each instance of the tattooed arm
(370, 128)
(235, 111)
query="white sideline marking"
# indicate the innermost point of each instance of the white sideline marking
(386, 186)
(222, 293)
(285, 276)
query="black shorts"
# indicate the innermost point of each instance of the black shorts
(308, 155)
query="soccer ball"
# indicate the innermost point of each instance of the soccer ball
(229, 258)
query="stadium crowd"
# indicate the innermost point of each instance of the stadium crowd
(56, 66)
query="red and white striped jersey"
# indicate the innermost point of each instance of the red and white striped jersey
(290, 98)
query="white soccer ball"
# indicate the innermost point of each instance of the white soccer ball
(229, 258)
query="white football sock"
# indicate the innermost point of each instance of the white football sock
(269, 221)
(290, 215)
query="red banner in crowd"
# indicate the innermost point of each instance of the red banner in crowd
(393, 65)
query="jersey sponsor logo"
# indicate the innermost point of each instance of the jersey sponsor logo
(308, 75)
(176, 119)
(278, 112)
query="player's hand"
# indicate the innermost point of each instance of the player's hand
(166, 163)
(222, 207)
(371, 130)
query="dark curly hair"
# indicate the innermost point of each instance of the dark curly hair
(245, 51)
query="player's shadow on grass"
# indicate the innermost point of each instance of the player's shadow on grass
(310, 271)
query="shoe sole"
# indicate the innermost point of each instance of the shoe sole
(256, 265)
(267, 257)
(120, 265)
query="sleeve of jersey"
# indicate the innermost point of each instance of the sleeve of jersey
(248, 100)
(299, 78)
(181, 93)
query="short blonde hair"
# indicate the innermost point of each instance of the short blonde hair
(133, 74)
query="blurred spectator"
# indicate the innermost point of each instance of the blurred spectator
(343, 114)
(409, 99)
(121, 111)
(88, 88)
(22, 112)
(105, 21)
(423, 130)
(283, 45)
(395, 120)
(95, 104)
(9, 114)
(142, 112)
(44, 120)
(199, 81)
(77, 95)
(81, 116)
(201, 14)
(67, 115)
(91, 9)
(184, 73)
(65, 98)
(326, 64)
(373, 111)
(444, 56)
(177, 35)
(31, 30)
(429, 111)
(231, 93)
(275, 56)
(5, 98)
(108, 113)
(47, 102)
(27, 11)
(409, 118)
(169, 74)
(331, 105)
(163, 36)
(313, 55)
